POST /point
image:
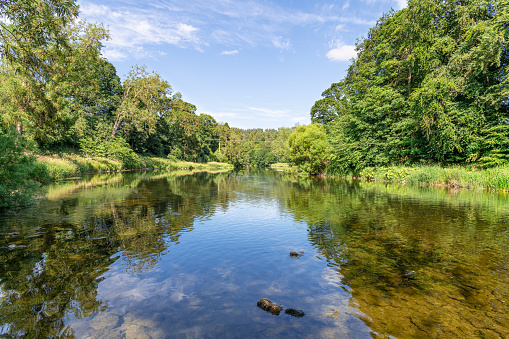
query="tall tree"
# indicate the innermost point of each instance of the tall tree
(145, 95)
(429, 84)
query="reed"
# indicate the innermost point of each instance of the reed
(496, 178)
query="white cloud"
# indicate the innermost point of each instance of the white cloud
(230, 52)
(132, 30)
(283, 45)
(340, 27)
(270, 112)
(114, 55)
(402, 3)
(199, 23)
(342, 53)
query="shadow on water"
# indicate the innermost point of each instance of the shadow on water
(156, 254)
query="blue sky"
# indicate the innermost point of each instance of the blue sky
(253, 64)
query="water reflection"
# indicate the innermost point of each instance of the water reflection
(420, 262)
(180, 254)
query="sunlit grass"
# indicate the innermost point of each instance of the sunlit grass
(65, 165)
(496, 178)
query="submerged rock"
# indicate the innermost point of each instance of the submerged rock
(268, 306)
(14, 247)
(294, 313)
(296, 254)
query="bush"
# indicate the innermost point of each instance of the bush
(115, 148)
(16, 171)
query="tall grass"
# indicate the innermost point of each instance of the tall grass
(496, 178)
(64, 165)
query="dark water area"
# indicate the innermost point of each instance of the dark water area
(174, 255)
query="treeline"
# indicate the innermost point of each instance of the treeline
(429, 86)
(59, 94)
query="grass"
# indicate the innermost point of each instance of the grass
(65, 165)
(285, 168)
(496, 178)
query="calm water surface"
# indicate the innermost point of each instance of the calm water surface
(161, 255)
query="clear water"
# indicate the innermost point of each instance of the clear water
(162, 255)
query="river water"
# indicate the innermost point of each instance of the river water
(189, 255)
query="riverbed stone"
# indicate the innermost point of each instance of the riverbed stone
(268, 306)
(104, 321)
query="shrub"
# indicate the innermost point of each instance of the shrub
(16, 170)
(115, 148)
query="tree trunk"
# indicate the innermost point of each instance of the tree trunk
(19, 127)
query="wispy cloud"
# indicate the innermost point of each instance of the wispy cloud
(402, 3)
(197, 24)
(132, 29)
(281, 44)
(114, 55)
(267, 112)
(230, 52)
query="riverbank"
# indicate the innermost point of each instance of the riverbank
(65, 165)
(496, 178)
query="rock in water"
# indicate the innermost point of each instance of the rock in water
(294, 312)
(296, 254)
(268, 306)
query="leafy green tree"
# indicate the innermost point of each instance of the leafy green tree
(309, 148)
(52, 107)
(32, 28)
(327, 109)
(428, 85)
(144, 97)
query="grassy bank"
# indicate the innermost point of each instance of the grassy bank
(65, 165)
(285, 168)
(496, 178)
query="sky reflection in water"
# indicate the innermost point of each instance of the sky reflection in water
(173, 255)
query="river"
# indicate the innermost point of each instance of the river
(189, 255)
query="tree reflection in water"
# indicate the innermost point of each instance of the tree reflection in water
(420, 262)
(408, 261)
(52, 263)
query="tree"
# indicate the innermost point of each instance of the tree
(51, 106)
(428, 84)
(31, 27)
(309, 148)
(144, 97)
(328, 109)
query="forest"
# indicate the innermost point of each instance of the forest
(428, 87)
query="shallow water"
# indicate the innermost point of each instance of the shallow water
(164, 255)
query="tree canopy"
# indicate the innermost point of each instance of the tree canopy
(429, 84)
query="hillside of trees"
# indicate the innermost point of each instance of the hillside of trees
(429, 86)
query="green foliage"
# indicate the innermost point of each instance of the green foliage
(429, 85)
(16, 186)
(113, 148)
(144, 96)
(492, 178)
(309, 148)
